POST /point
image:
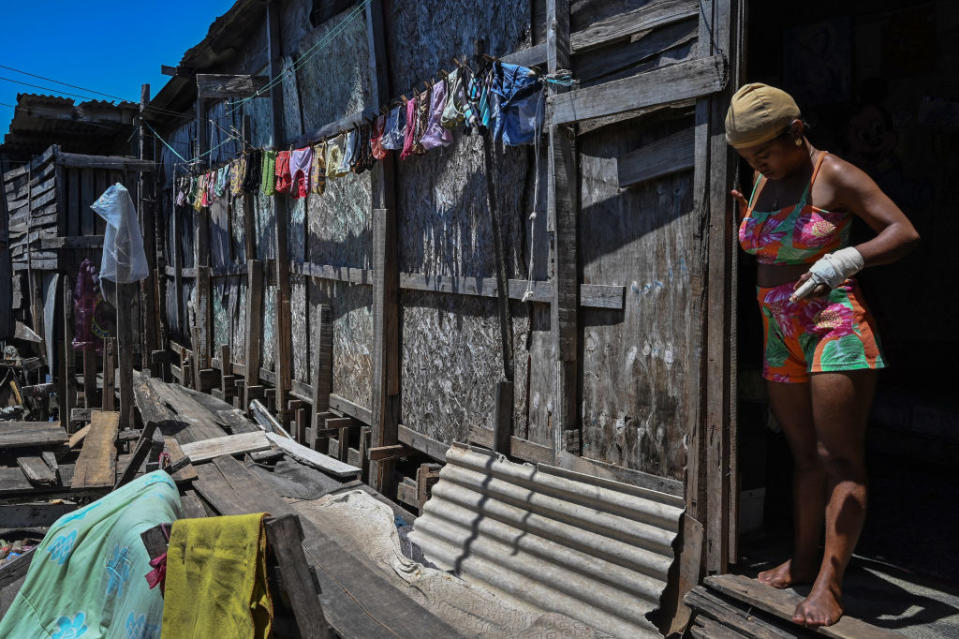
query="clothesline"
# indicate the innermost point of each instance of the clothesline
(506, 99)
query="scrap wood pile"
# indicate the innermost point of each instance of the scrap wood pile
(212, 462)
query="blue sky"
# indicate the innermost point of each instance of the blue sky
(104, 45)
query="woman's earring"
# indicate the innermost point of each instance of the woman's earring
(798, 141)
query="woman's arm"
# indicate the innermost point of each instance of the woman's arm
(857, 193)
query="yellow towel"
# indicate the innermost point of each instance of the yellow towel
(216, 579)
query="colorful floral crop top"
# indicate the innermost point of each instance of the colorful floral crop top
(797, 234)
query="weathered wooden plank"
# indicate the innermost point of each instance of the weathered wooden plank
(531, 451)
(671, 154)
(14, 570)
(207, 449)
(218, 85)
(96, 466)
(72, 242)
(173, 448)
(285, 535)
(333, 273)
(427, 445)
(705, 603)
(32, 515)
(313, 458)
(653, 15)
(681, 81)
(782, 603)
(35, 434)
(36, 471)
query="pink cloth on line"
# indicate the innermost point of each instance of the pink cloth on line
(436, 134)
(410, 129)
(300, 161)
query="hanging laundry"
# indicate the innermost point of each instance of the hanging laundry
(199, 192)
(237, 175)
(376, 138)
(410, 129)
(395, 129)
(254, 165)
(183, 189)
(435, 135)
(222, 179)
(352, 153)
(364, 154)
(318, 170)
(283, 178)
(422, 119)
(519, 105)
(475, 101)
(334, 157)
(216, 579)
(268, 173)
(300, 161)
(86, 300)
(455, 100)
(209, 182)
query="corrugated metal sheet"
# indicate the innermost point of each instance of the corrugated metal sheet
(591, 548)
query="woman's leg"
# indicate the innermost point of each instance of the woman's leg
(841, 403)
(792, 406)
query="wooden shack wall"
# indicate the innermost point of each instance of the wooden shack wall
(640, 358)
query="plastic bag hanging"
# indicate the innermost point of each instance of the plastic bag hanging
(123, 258)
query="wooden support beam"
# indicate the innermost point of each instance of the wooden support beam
(503, 425)
(254, 325)
(149, 304)
(386, 354)
(65, 398)
(284, 338)
(149, 439)
(427, 445)
(426, 477)
(125, 297)
(36, 471)
(563, 209)
(226, 376)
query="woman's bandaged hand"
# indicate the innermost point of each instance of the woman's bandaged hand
(831, 270)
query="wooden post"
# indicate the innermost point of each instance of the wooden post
(323, 364)
(176, 255)
(201, 254)
(386, 339)
(284, 358)
(90, 378)
(145, 203)
(503, 426)
(254, 326)
(65, 399)
(563, 208)
(125, 295)
(226, 372)
(713, 486)
(109, 369)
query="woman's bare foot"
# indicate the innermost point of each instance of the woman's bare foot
(789, 573)
(821, 608)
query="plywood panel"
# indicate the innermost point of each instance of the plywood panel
(638, 363)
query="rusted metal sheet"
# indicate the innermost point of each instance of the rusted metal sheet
(594, 549)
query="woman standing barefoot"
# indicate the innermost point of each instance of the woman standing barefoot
(821, 347)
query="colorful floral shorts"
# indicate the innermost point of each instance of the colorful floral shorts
(817, 335)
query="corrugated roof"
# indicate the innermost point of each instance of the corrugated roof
(593, 549)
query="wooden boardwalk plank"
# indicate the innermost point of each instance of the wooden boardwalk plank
(96, 466)
(782, 603)
(37, 471)
(31, 434)
(228, 445)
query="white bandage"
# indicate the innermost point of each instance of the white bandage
(832, 269)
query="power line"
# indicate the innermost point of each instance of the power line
(66, 84)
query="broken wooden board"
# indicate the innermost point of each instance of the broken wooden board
(31, 434)
(313, 458)
(78, 436)
(36, 471)
(96, 466)
(228, 445)
(175, 412)
(172, 447)
(782, 604)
